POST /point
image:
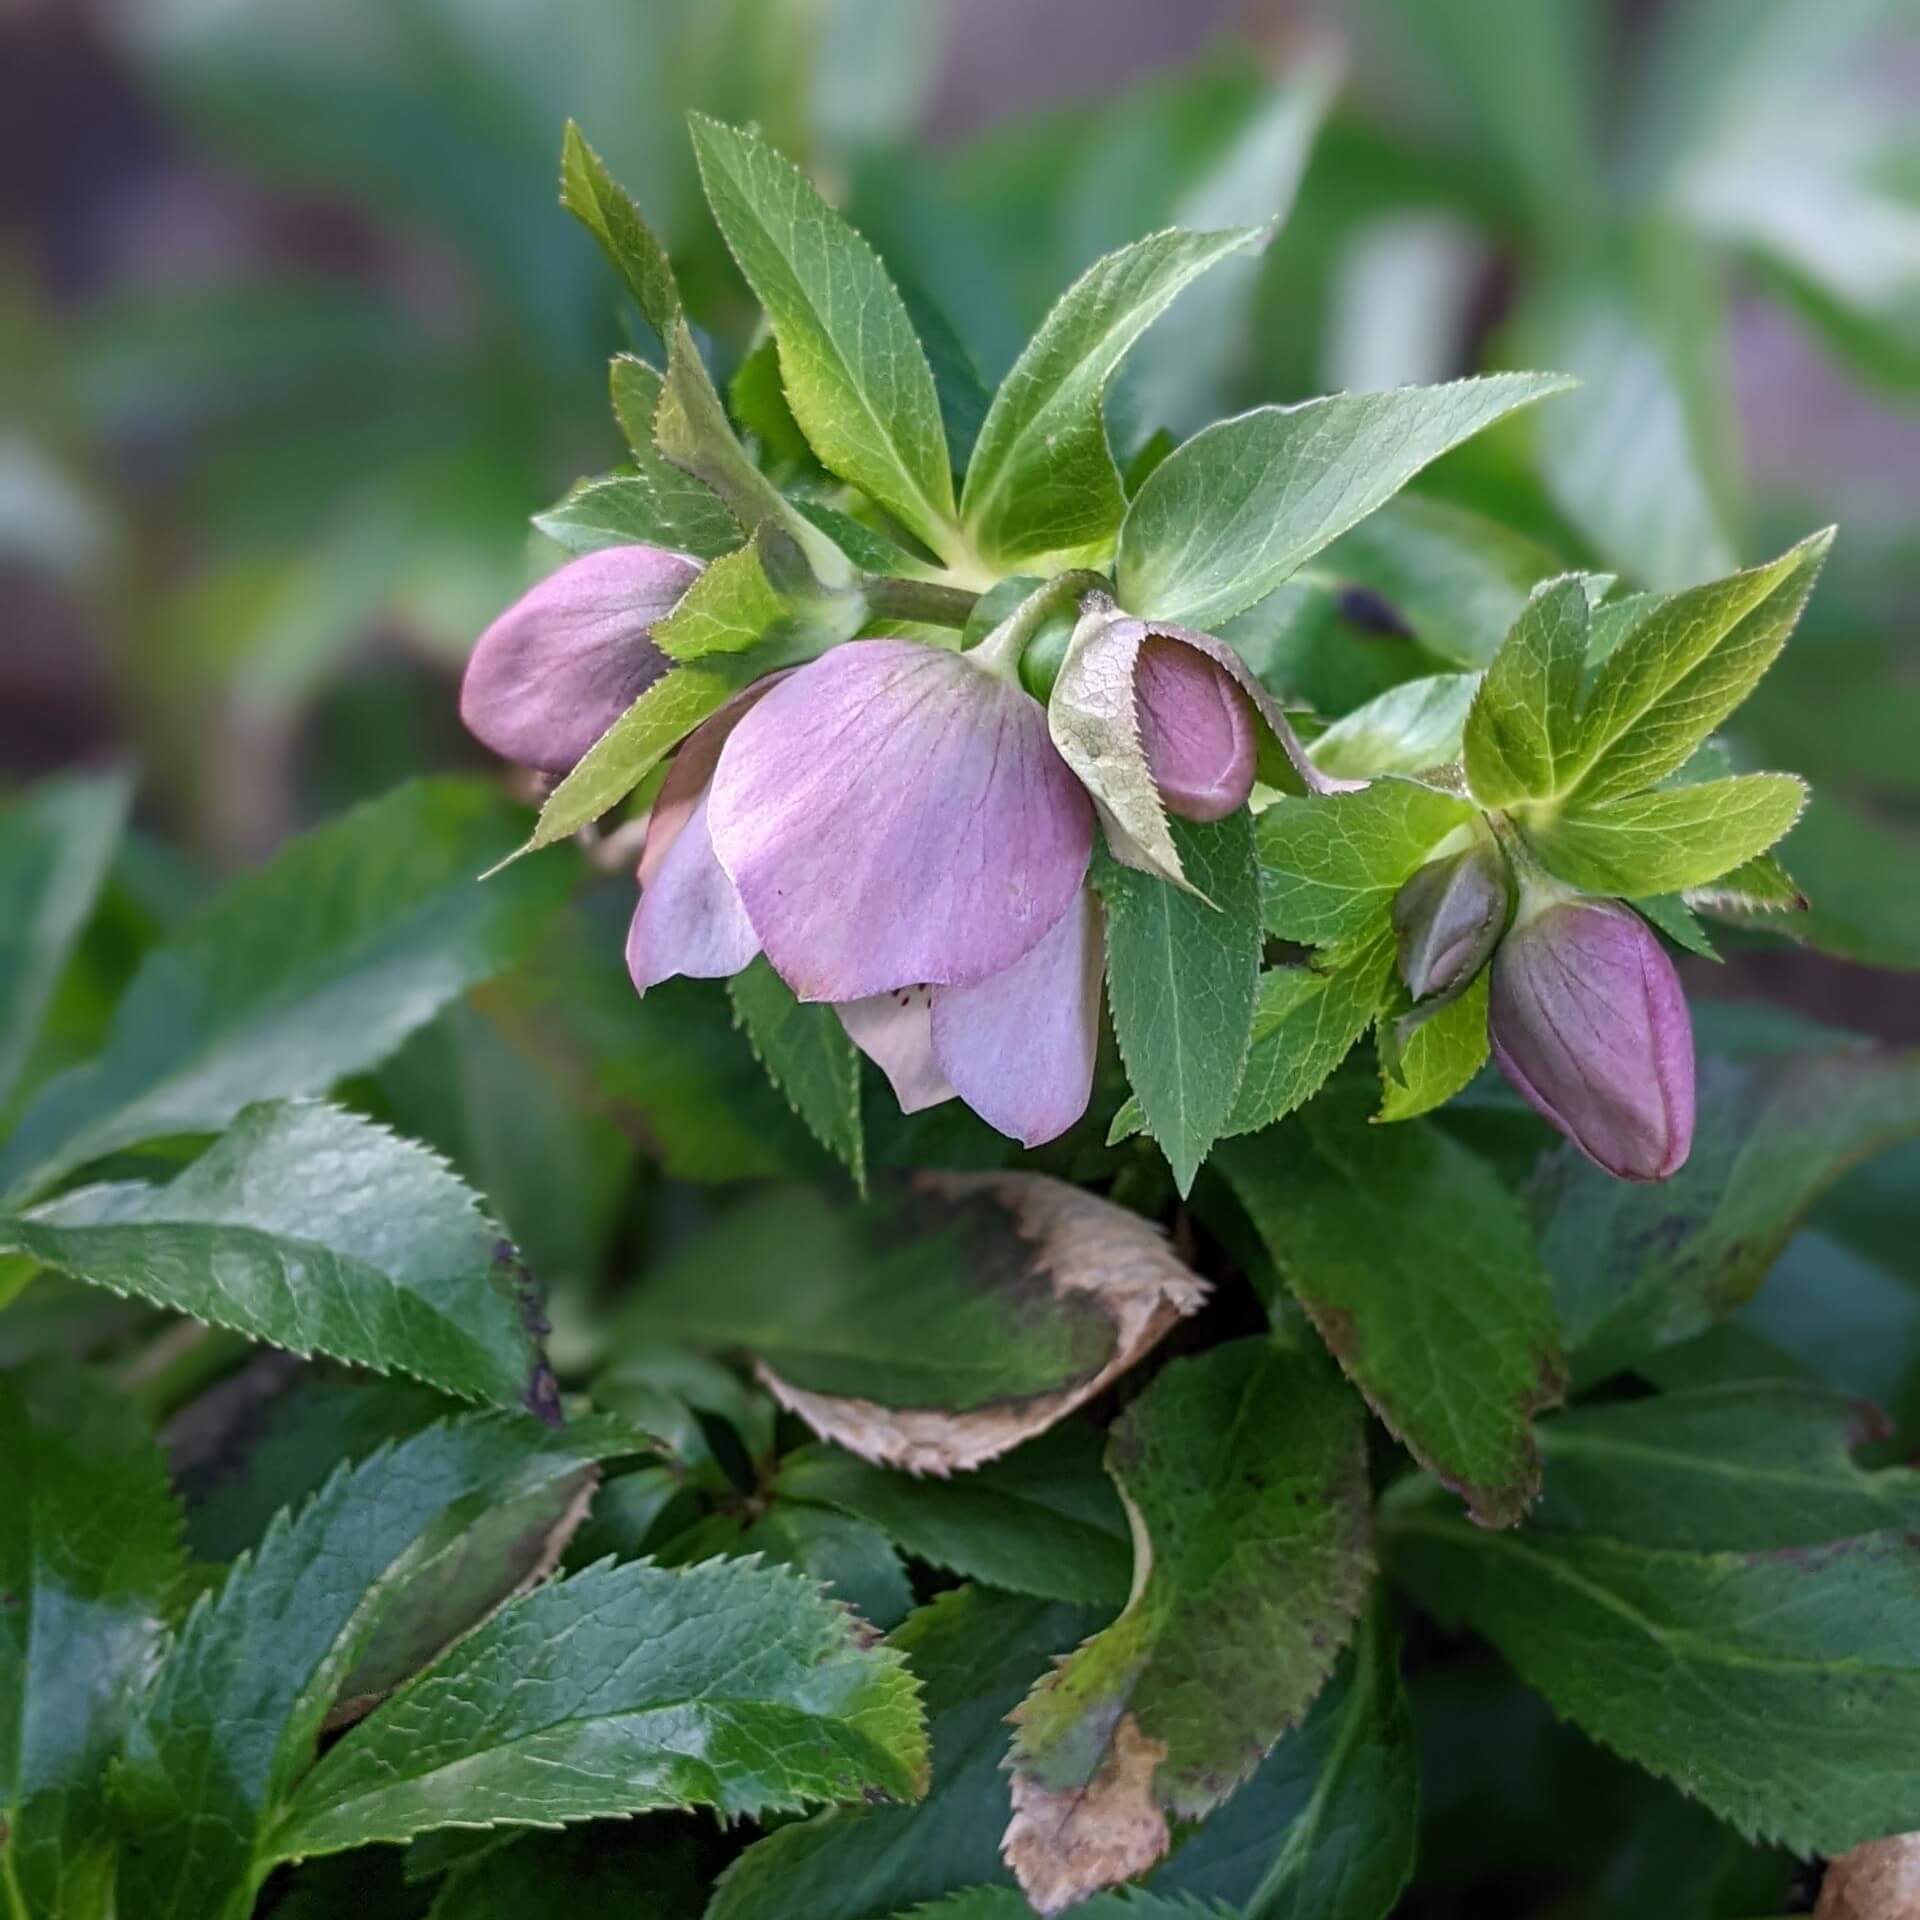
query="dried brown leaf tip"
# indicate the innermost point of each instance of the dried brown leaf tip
(1065, 1846)
(1880, 1881)
(1068, 1290)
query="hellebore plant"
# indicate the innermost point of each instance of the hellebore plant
(863, 1512)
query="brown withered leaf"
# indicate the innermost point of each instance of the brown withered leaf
(1880, 1881)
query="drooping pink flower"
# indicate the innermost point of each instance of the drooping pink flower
(567, 659)
(893, 827)
(1587, 1019)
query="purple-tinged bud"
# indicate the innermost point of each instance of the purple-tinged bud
(566, 660)
(1449, 916)
(1588, 1021)
(1197, 729)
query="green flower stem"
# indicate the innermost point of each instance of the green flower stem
(925, 602)
(999, 653)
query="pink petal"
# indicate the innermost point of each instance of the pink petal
(689, 919)
(685, 786)
(565, 661)
(1196, 727)
(1019, 1048)
(895, 1031)
(894, 816)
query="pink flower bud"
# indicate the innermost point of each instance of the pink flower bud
(1588, 1021)
(1448, 918)
(1197, 729)
(566, 660)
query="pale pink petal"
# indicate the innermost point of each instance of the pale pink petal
(892, 816)
(1196, 727)
(1019, 1048)
(689, 919)
(566, 660)
(894, 1030)
(685, 786)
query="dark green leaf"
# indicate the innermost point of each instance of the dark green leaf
(622, 1689)
(1244, 1471)
(315, 967)
(809, 1057)
(89, 1563)
(1182, 975)
(1417, 1266)
(319, 1232)
(845, 1557)
(975, 1654)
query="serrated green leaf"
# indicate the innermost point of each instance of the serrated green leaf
(638, 741)
(1330, 864)
(1042, 481)
(1182, 975)
(936, 1325)
(853, 1562)
(1419, 1269)
(313, 968)
(1244, 1469)
(1637, 1268)
(809, 1057)
(1328, 1826)
(1757, 886)
(1669, 840)
(1437, 1057)
(622, 1689)
(89, 1565)
(759, 402)
(1043, 1520)
(1671, 915)
(1682, 668)
(1723, 1635)
(1525, 718)
(975, 1654)
(856, 375)
(1229, 515)
(232, 1716)
(1307, 1020)
(594, 198)
(1407, 729)
(319, 1232)
(55, 844)
(762, 597)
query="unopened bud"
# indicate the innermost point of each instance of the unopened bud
(1197, 728)
(1588, 1021)
(1449, 916)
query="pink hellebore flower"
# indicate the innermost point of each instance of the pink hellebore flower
(566, 660)
(1197, 728)
(892, 827)
(1588, 1020)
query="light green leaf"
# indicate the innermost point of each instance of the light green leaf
(937, 1325)
(656, 507)
(1044, 1520)
(1042, 481)
(1683, 668)
(1418, 1267)
(1182, 974)
(594, 198)
(1435, 1053)
(975, 1653)
(313, 968)
(1757, 886)
(1327, 1827)
(760, 597)
(809, 1057)
(1331, 863)
(1229, 515)
(1407, 729)
(1639, 1267)
(1244, 1469)
(1306, 1021)
(232, 1716)
(55, 844)
(856, 375)
(1686, 1604)
(319, 1232)
(623, 1689)
(89, 1563)
(1671, 839)
(1526, 716)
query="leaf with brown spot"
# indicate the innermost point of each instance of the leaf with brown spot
(1880, 1881)
(938, 1324)
(1418, 1268)
(1244, 1474)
